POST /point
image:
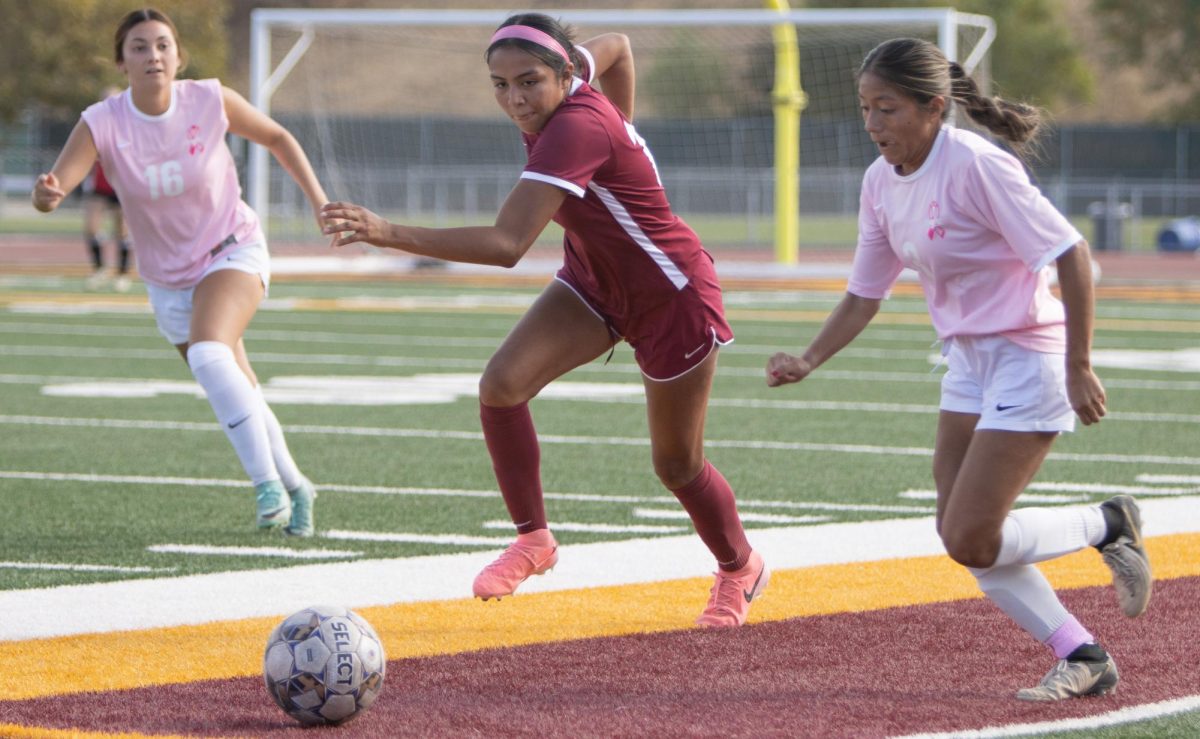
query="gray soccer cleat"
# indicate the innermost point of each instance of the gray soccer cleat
(1127, 559)
(1074, 680)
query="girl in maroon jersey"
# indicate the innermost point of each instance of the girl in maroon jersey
(632, 270)
(100, 199)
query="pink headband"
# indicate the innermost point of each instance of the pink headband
(527, 33)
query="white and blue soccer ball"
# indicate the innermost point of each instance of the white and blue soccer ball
(324, 665)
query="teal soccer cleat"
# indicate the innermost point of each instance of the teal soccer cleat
(274, 508)
(301, 523)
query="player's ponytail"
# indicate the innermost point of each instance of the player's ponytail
(919, 69)
(1014, 122)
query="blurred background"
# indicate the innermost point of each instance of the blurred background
(400, 116)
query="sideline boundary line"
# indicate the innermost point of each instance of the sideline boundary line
(1126, 715)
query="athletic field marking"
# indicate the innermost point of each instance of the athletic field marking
(401, 340)
(78, 309)
(284, 389)
(454, 540)
(373, 360)
(79, 567)
(422, 389)
(747, 517)
(902, 312)
(1103, 488)
(448, 492)
(1025, 497)
(596, 528)
(1173, 360)
(1170, 479)
(475, 436)
(1131, 714)
(165, 601)
(201, 549)
(1088, 488)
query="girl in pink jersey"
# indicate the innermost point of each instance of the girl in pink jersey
(199, 247)
(632, 270)
(964, 215)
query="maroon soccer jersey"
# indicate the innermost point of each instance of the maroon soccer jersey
(623, 245)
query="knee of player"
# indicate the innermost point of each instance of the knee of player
(500, 389)
(969, 549)
(677, 470)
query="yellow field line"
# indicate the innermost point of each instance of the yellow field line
(885, 317)
(31, 732)
(99, 662)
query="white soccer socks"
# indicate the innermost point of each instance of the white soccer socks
(237, 406)
(289, 473)
(1031, 535)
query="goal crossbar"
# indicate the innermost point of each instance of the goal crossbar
(264, 80)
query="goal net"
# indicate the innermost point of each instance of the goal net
(395, 110)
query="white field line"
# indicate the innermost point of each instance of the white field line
(1170, 479)
(402, 538)
(595, 528)
(1025, 497)
(375, 360)
(1102, 488)
(79, 567)
(447, 492)
(678, 514)
(751, 403)
(1127, 715)
(401, 340)
(205, 550)
(783, 446)
(197, 599)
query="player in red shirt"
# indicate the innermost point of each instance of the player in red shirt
(632, 270)
(100, 198)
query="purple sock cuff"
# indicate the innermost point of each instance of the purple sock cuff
(1068, 637)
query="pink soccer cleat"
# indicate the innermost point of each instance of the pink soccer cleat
(729, 601)
(532, 554)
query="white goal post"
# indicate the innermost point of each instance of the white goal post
(728, 169)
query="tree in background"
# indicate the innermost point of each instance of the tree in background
(1035, 57)
(1163, 36)
(58, 54)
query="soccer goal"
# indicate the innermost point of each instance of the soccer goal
(395, 109)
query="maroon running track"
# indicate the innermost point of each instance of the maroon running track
(944, 667)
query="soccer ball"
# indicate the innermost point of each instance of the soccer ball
(324, 665)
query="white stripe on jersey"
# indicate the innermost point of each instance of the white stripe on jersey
(567, 185)
(622, 217)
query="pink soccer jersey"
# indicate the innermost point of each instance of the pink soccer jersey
(175, 178)
(622, 242)
(978, 234)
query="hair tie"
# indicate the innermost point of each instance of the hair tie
(528, 33)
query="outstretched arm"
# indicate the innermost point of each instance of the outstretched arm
(525, 213)
(248, 122)
(846, 321)
(73, 164)
(1075, 281)
(614, 69)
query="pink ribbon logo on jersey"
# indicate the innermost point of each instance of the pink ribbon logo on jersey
(935, 229)
(195, 147)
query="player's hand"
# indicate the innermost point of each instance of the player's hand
(46, 193)
(349, 224)
(1086, 395)
(784, 368)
